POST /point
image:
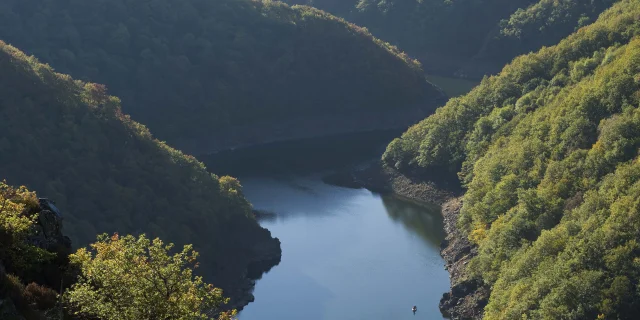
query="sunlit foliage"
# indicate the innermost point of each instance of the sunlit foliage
(69, 140)
(548, 151)
(134, 278)
(15, 226)
(28, 270)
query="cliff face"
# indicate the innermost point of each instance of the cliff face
(467, 297)
(47, 232)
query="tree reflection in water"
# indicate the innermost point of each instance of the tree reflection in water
(423, 219)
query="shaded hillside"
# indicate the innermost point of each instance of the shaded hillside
(70, 140)
(198, 68)
(548, 151)
(463, 36)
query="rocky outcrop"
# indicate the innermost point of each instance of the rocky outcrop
(467, 297)
(47, 231)
(378, 178)
(48, 234)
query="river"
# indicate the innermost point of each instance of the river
(348, 254)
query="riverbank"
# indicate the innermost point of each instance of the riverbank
(382, 179)
(334, 241)
(467, 297)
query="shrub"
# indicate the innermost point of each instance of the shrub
(44, 298)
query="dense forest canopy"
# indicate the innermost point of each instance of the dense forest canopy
(476, 36)
(548, 151)
(70, 140)
(192, 68)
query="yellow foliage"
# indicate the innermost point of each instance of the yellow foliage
(479, 233)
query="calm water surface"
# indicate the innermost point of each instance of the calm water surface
(347, 254)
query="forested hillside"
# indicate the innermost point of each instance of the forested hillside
(115, 278)
(548, 152)
(194, 68)
(70, 140)
(466, 36)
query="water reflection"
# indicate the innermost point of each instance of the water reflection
(347, 254)
(421, 219)
(294, 196)
(294, 295)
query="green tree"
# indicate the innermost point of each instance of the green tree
(107, 173)
(548, 153)
(195, 68)
(15, 226)
(135, 278)
(469, 38)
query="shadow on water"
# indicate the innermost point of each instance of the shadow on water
(288, 302)
(301, 156)
(423, 220)
(280, 198)
(346, 253)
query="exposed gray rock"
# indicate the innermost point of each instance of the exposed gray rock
(467, 297)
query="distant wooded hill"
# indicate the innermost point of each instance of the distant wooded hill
(471, 37)
(194, 68)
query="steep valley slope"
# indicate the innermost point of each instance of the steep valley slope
(548, 153)
(211, 75)
(466, 38)
(71, 141)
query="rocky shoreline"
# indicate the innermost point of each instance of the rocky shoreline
(467, 297)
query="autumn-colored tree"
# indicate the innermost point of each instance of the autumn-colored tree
(135, 278)
(15, 226)
(12, 203)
